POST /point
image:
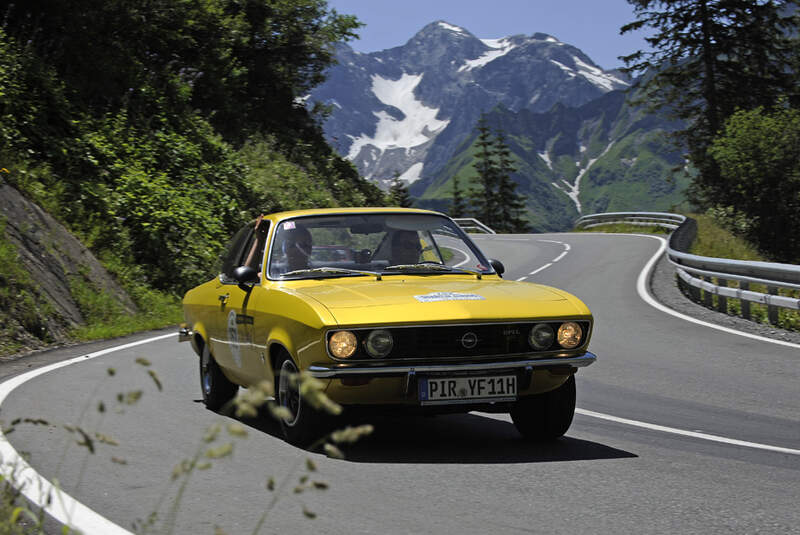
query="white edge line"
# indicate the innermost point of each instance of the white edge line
(559, 257)
(41, 492)
(641, 287)
(694, 434)
(540, 269)
(522, 278)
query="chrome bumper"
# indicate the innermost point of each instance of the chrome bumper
(185, 334)
(343, 370)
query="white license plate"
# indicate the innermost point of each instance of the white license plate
(447, 390)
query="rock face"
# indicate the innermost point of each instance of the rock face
(405, 110)
(54, 259)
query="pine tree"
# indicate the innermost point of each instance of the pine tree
(457, 206)
(511, 204)
(709, 58)
(484, 197)
(398, 192)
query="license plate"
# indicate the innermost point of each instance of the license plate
(451, 390)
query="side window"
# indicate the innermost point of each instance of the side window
(234, 252)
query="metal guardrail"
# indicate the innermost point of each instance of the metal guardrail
(470, 224)
(698, 272)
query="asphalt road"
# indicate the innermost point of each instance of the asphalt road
(614, 472)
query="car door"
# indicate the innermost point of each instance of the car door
(225, 344)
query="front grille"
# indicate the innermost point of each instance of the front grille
(461, 341)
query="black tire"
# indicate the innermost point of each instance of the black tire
(546, 416)
(217, 389)
(308, 424)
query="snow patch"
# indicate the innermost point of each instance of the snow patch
(597, 76)
(451, 27)
(418, 125)
(574, 190)
(564, 68)
(499, 48)
(546, 157)
(413, 173)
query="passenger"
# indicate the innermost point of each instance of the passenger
(406, 247)
(296, 246)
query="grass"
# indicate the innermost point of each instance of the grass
(713, 240)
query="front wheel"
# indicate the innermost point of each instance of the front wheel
(217, 389)
(546, 416)
(306, 423)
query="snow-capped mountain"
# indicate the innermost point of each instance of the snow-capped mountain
(407, 109)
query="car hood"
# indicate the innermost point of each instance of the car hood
(438, 299)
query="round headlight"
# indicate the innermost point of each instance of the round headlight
(541, 337)
(379, 343)
(342, 344)
(569, 335)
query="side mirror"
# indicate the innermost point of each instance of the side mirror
(497, 266)
(245, 275)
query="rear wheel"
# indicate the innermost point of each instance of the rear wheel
(306, 424)
(546, 416)
(217, 389)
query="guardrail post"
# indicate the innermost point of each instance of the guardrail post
(772, 310)
(745, 304)
(722, 301)
(708, 299)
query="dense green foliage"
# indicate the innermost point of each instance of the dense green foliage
(709, 59)
(153, 130)
(759, 158)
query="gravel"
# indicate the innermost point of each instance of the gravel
(666, 291)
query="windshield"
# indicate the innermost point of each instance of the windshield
(349, 245)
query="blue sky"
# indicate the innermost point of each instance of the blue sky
(591, 25)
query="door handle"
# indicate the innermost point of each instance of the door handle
(223, 298)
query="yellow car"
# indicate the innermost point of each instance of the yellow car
(394, 310)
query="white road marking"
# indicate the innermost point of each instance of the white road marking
(559, 257)
(42, 493)
(644, 293)
(694, 434)
(522, 278)
(641, 287)
(71, 512)
(663, 429)
(540, 269)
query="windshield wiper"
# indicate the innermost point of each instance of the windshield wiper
(333, 271)
(431, 266)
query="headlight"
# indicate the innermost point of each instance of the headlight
(541, 337)
(379, 343)
(342, 344)
(570, 335)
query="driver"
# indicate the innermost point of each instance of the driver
(406, 247)
(296, 246)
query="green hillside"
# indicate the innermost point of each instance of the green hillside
(626, 158)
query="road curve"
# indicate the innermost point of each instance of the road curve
(638, 457)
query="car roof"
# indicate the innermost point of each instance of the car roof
(329, 211)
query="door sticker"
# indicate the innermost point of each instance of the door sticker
(233, 338)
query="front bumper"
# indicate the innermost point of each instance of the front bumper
(336, 371)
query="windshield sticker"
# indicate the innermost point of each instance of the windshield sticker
(447, 296)
(289, 225)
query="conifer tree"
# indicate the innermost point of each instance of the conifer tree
(710, 58)
(484, 197)
(511, 204)
(398, 192)
(457, 206)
